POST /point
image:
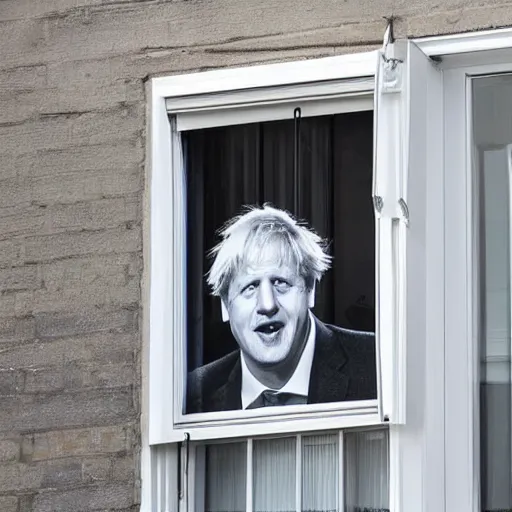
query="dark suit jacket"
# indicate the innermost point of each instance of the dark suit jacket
(344, 368)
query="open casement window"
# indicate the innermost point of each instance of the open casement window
(301, 141)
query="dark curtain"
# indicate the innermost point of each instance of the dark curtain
(229, 167)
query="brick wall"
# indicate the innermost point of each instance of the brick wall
(72, 150)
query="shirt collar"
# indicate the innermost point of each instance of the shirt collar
(298, 384)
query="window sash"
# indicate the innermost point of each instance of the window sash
(227, 423)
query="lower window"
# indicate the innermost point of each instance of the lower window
(328, 472)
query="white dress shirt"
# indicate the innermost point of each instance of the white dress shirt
(298, 384)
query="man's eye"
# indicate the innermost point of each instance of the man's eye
(248, 290)
(281, 285)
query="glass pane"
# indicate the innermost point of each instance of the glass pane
(492, 135)
(320, 473)
(318, 170)
(366, 471)
(274, 475)
(226, 472)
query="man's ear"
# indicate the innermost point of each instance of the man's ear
(311, 296)
(225, 313)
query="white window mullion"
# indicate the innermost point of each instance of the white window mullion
(250, 479)
(298, 475)
(197, 477)
(341, 473)
(160, 479)
(170, 491)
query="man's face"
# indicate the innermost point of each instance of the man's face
(267, 305)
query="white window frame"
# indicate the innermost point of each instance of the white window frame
(434, 455)
(216, 98)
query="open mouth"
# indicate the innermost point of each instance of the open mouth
(269, 327)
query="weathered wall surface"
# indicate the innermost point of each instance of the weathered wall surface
(72, 149)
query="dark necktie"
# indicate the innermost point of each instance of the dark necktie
(273, 398)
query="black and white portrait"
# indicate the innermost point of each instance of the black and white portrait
(265, 272)
(280, 255)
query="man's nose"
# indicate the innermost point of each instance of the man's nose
(267, 304)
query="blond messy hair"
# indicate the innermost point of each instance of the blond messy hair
(246, 239)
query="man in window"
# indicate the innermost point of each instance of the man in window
(265, 272)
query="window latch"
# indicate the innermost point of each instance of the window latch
(389, 182)
(392, 69)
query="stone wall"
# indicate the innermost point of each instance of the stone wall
(72, 152)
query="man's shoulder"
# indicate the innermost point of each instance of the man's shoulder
(358, 345)
(344, 364)
(206, 385)
(210, 374)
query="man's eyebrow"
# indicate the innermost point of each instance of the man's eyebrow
(282, 277)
